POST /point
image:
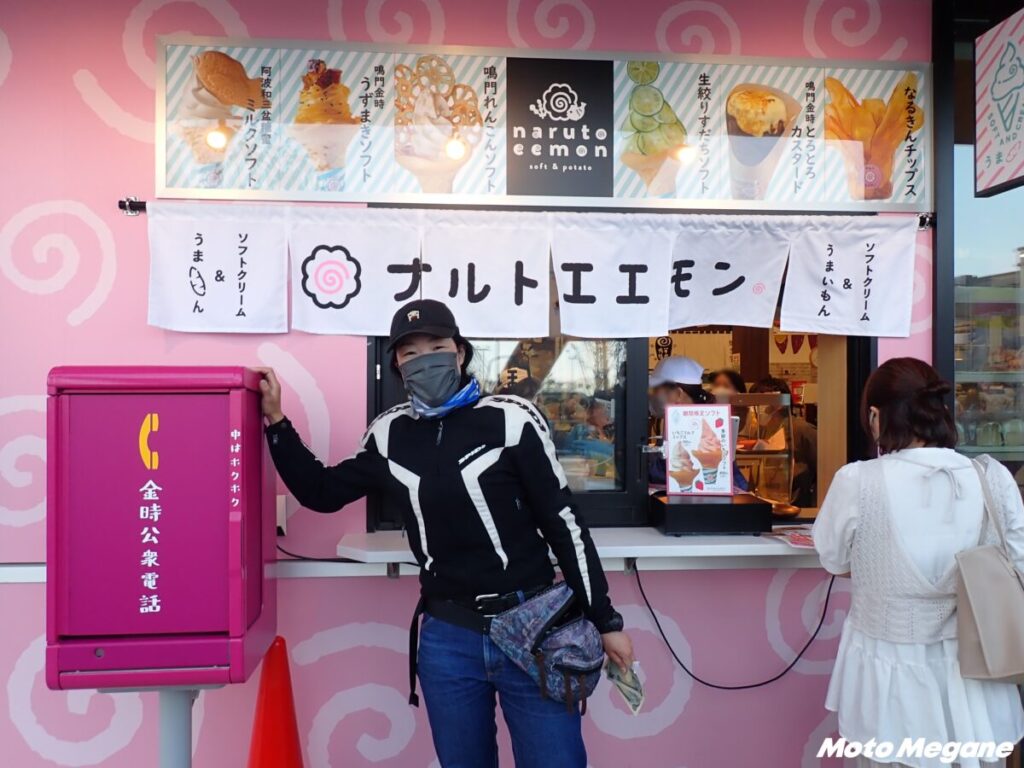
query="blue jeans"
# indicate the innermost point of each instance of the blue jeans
(460, 671)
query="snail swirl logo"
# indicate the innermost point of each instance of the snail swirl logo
(559, 102)
(559, 144)
(330, 276)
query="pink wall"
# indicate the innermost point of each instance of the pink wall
(76, 112)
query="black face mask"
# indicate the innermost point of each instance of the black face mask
(432, 378)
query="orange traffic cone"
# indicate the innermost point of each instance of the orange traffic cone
(275, 733)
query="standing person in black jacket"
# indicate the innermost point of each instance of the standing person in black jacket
(483, 497)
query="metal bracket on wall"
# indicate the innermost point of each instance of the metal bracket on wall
(131, 206)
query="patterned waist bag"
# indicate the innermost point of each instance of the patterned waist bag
(549, 639)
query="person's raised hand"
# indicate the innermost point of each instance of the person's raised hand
(271, 389)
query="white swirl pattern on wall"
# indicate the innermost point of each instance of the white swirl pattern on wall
(134, 43)
(115, 735)
(385, 700)
(651, 720)
(696, 33)
(377, 698)
(5, 57)
(553, 25)
(63, 244)
(406, 27)
(843, 30)
(810, 614)
(335, 22)
(15, 449)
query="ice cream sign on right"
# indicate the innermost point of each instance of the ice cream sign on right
(698, 449)
(279, 122)
(999, 107)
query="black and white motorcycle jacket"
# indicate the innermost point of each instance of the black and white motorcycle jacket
(481, 493)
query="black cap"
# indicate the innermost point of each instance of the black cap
(423, 316)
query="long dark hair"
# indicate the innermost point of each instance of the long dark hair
(910, 397)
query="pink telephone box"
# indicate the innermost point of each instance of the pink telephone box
(160, 527)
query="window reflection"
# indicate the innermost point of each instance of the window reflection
(579, 385)
(988, 339)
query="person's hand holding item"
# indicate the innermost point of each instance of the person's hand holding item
(271, 389)
(619, 648)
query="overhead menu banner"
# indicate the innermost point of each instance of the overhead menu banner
(345, 122)
(224, 268)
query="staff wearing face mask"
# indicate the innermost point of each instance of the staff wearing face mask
(679, 381)
(483, 497)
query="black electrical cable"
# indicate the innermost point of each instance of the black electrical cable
(687, 670)
(316, 559)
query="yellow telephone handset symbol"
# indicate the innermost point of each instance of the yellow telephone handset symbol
(150, 423)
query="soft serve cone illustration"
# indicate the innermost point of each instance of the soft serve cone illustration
(1006, 85)
(681, 467)
(324, 124)
(709, 453)
(655, 135)
(206, 121)
(757, 118)
(438, 122)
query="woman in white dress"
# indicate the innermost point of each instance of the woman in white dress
(894, 525)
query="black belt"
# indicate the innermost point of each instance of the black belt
(474, 614)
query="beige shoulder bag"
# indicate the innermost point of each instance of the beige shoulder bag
(990, 605)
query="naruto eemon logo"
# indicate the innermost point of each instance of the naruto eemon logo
(559, 127)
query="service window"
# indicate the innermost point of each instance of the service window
(594, 395)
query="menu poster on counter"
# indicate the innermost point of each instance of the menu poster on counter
(462, 126)
(698, 450)
(999, 107)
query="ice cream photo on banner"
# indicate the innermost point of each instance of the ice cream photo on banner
(698, 449)
(324, 124)
(655, 138)
(437, 122)
(215, 98)
(758, 118)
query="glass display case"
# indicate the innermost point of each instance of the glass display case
(764, 446)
